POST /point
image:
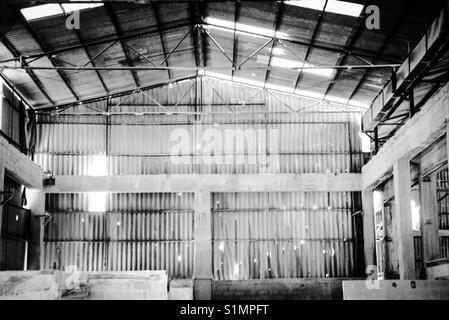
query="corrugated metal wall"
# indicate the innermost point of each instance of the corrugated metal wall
(289, 234)
(320, 139)
(135, 232)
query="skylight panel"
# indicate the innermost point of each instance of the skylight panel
(334, 6)
(227, 25)
(54, 9)
(278, 51)
(42, 11)
(70, 7)
(285, 63)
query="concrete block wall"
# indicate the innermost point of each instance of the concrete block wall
(128, 285)
(396, 290)
(278, 289)
(180, 289)
(30, 285)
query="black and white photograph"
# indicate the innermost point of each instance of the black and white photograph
(224, 155)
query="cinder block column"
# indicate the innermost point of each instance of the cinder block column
(202, 270)
(36, 200)
(403, 218)
(369, 241)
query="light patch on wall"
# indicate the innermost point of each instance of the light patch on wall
(415, 215)
(97, 201)
(377, 200)
(98, 166)
(365, 142)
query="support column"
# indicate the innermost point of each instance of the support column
(202, 270)
(429, 219)
(403, 217)
(2, 186)
(369, 241)
(36, 200)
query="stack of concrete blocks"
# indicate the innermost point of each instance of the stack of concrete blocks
(278, 289)
(30, 285)
(181, 289)
(396, 290)
(118, 285)
(128, 285)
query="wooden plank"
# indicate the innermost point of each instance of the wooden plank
(403, 232)
(19, 166)
(429, 219)
(202, 270)
(212, 182)
(417, 134)
(369, 241)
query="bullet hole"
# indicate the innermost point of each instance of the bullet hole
(413, 284)
(394, 285)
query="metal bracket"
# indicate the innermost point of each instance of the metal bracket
(11, 194)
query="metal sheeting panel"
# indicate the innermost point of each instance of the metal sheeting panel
(71, 139)
(87, 256)
(283, 234)
(320, 138)
(67, 149)
(147, 231)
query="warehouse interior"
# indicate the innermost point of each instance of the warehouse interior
(224, 149)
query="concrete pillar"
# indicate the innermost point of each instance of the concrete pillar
(202, 270)
(36, 201)
(369, 241)
(403, 218)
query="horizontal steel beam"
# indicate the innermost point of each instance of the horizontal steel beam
(84, 68)
(309, 182)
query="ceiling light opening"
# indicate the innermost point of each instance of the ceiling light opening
(241, 28)
(54, 9)
(333, 6)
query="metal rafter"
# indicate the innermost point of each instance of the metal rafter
(237, 9)
(81, 41)
(203, 36)
(276, 24)
(378, 54)
(219, 47)
(31, 73)
(348, 47)
(312, 40)
(155, 8)
(193, 9)
(119, 31)
(357, 52)
(36, 38)
(115, 94)
(107, 40)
